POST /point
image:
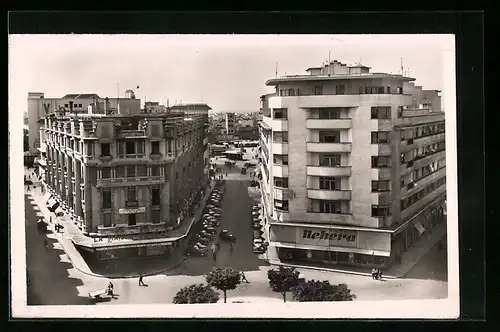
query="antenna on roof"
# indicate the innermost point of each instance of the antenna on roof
(402, 69)
(276, 70)
(329, 63)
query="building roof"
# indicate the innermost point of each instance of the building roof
(195, 105)
(81, 95)
(301, 78)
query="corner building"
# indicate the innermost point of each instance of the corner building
(127, 176)
(352, 167)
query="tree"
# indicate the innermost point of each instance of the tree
(196, 294)
(315, 290)
(223, 279)
(283, 280)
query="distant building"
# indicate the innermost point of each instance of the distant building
(353, 167)
(230, 123)
(154, 107)
(40, 106)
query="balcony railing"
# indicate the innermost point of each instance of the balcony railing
(328, 147)
(328, 123)
(131, 156)
(132, 180)
(328, 171)
(324, 194)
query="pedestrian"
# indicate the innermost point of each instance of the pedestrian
(46, 244)
(374, 273)
(231, 248)
(141, 282)
(110, 290)
(244, 278)
(218, 246)
(214, 256)
(379, 274)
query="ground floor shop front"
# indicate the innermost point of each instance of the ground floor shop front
(342, 245)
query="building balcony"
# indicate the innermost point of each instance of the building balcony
(327, 147)
(42, 162)
(381, 149)
(155, 156)
(141, 228)
(280, 148)
(331, 195)
(136, 181)
(276, 124)
(105, 159)
(382, 198)
(428, 140)
(317, 101)
(42, 148)
(329, 123)
(280, 171)
(423, 181)
(122, 134)
(130, 156)
(328, 171)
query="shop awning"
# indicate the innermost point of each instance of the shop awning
(137, 245)
(419, 227)
(332, 248)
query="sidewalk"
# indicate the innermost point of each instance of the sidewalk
(72, 234)
(409, 258)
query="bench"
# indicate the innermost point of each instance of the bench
(97, 294)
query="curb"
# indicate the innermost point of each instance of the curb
(364, 274)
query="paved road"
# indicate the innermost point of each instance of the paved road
(434, 266)
(49, 270)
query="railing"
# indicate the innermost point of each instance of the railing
(130, 156)
(102, 182)
(129, 230)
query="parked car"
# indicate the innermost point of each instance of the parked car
(259, 250)
(200, 246)
(258, 242)
(209, 228)
(226, 235)
(200, 239)
(206, 234)
(193, 251)
(257, 233)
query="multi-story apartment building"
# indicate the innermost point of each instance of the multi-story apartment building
(40, 106)
(125, 175)
(351, 173)
(230, 123)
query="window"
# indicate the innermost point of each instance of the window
(381, 211)
(280, 159)
(131, 194)
(106, 173)
(155, 196)
(106, 219)
(156, 216)
(380, 137)
(291, 92)
(66, 105)
(329, 183)
(281, 182)
(381, 112)
(142, 170)
(120, 171)
(280, 113)
(280, 137)
(381, 185)
(330, 207)
(130, 147)
(79, 105)
(400, 90)
(388, 89)
(155, 171)
(318, 90)
(106, 199)
(140, 147)
(340, 89)
(329, 113)
(329, 160)
(131, 171)
(281, 205)
(381, 161)
(155, 147)
(380, 90)
(329, 136)
(105, 149)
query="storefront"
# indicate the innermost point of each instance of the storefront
(331, 245)
(418, 226)
(133, 251)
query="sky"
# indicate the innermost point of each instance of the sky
(228, 72)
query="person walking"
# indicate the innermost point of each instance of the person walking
(379, 274)
(244, 278)
(374, 273)
(110, 290)
(231, 247)
(46, 244)
(141, 282)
